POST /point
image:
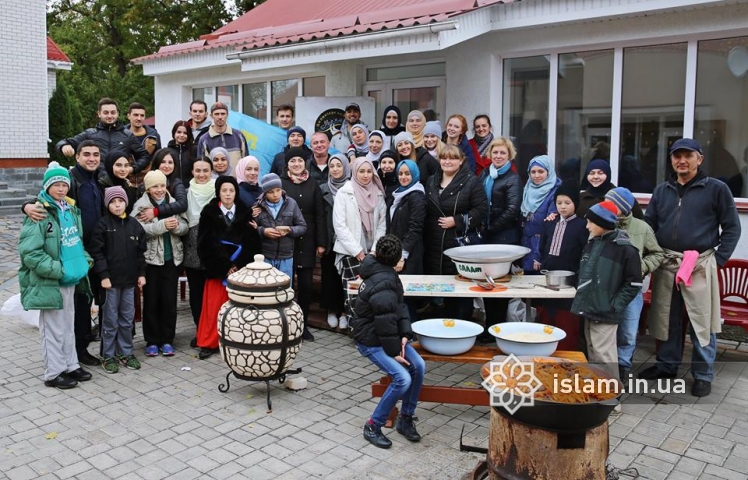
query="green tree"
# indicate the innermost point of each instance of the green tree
(243, 6)
(64, 118)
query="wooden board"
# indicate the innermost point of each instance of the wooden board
(481, 354)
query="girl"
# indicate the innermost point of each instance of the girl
(537, 204)
(117, 167)
(182, 148)
(406, 149)
(415, 125)
(248, 175)
(432, 138)
(596, 184)
(163, 161)
(219, 157)
(481, 142)
(360, 145)
(455, 134)
(376, 143)
(391, 125)
(387, 173)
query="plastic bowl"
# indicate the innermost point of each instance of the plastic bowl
(500, 331)
(446, 336)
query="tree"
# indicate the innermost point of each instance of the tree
(64, 118)
(243, 6)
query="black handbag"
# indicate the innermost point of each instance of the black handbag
(469, 236)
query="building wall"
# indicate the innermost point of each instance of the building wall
(51, 82)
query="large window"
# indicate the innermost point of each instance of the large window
(255, 99)
(284, 93)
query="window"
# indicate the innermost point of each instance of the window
(284, 92)
(207, 95)
(229, 95)
(255, 99)
(406, 71)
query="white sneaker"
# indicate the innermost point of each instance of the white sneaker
(332, 320)
(343, 322)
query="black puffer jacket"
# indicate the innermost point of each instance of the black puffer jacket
(463, 195)
(118, 249)
(111, 137)
(427, 165)
(309, 198)
(381, 317)
(329, 200)
(406, 223)
(503, 226)
(184, 157)
(216, 256)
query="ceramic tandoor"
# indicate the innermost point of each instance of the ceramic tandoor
(260, 326)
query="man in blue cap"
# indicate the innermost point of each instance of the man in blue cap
(697, 225)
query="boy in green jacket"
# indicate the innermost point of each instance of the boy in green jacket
(53, 264)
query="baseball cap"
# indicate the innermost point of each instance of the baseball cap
(686, 144)
(352, 106)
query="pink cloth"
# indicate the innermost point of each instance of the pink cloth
(686, 268)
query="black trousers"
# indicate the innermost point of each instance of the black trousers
(495, 310)
(82, 325)
(459, 308)
(304, 285)
(196, 281)
(333, 298)
(160, 303)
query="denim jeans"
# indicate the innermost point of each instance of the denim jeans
(670, 352)
(406, 381)
(285, 265)
(627, 330)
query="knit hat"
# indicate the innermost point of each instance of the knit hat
(622, 198)
(270, 181)
(295, 129)
(433, 128)
(154, 177)
(604, 215)
(55, 173)
(569, 189)
(402, 136)
(115, 192)
(218, 106)
(216, 150)
(295, 152)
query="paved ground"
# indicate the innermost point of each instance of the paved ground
(170, 421)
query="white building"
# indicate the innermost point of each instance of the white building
(627, 76)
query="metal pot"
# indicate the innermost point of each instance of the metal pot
(559, 278)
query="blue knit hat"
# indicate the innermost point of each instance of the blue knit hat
(296, 129)
(622, 198)
(603, 215)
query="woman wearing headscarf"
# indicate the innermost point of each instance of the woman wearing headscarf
(360, 145)
(117, 167)
(248, 175)
(537, 203)
(333, 298)
(415, 124)
(182, 147)
(596, 183)
(359, 220)
(376, 146)
(407, 150)
(392, 124)
(387, 173)
(481, 142)
(219, 157)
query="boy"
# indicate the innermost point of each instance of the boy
(279, 222)
(651, 256)
(118, 247)
(381, 328)
(609, 278)
(54, 265)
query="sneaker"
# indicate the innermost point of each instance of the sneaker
(701, 388)
(61, 381)
(79, 375)
(87, 359)
(110, 365)
(407, 428)
(343, 322)
(374, 435)
(307, 335)
(206, 353)
(654, 373)
(151, 351)
(167, 350)
(332, 320)
(130, 362)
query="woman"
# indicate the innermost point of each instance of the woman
(248, 175)
(596, 184)
(305, 190)
(537, 204)
(406, 149)
(117, 167)
(163, 161)
(225, 244)
(182, 147)
(455, 204)
(387, 174)
(415, 125)
(504, 192)
(219, 157)
(333, 299)
(202, 190)
(360, 145)
(455, 134)
(359, 220)
(481, 142)
(376, 146)
(432, 138)
(391, 126)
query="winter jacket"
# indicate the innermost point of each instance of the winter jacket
(177, 191)
(156, 228)
(213, 229)
(249, 194)
(320, 176)
(289, 216)
(329, 200)
(109, 138)
(502, 226)
(381, 317)
(279, 165)
(643, 238)
(690, 217)
(609, 278)
(118, 248)
(308, 197)
(232, 140)
(427, 165)
(463, 195)
(150, 132)
(41, 267)
(572, 243)
(588, 199)
(347, 222)
(184, 157)
(532, 229)
(406, 223)
(90, 213)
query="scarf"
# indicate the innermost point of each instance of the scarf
(198, 196)
(534, 195)
(398, 194)
(374, 157)
(336, 183)
(415, 174)
(604, 187)
(298, 179)
(493, 174)
(391, 132)
(363, 147)
(417, 135)
(241, 166)
(482, 143)
(367, 196)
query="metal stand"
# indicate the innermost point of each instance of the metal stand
(223, 388)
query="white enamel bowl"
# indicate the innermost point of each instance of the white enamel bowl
(437, 337)
(501, 331)
(477, 261)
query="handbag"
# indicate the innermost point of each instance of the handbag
(469, 236)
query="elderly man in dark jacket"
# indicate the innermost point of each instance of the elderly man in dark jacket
(697, 225)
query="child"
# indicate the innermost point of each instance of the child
(609, 278)
(381, 328)
(53, 266)
(118, 247)
(278, 210)
(163, 256)
(651, 255)
(561, 245)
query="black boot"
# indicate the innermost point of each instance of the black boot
(374, 435)
(307, 335)
(407, 428)
(61, 381)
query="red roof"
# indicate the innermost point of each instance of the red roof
(54, 53)
(282, 22)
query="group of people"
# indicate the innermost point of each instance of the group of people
(391, 200)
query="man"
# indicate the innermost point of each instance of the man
(696, 223)
(221, 135)
(296, 137)
(284, 117)
(147, 135)
(109, 134)
(320, 156)
(199, 121)
(342, 140)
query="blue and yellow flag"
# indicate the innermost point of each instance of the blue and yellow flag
(264, 140)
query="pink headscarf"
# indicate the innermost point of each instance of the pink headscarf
(367, 196)
(241, 166)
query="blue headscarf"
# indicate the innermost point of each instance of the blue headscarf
(534, 195)
(415, 174)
